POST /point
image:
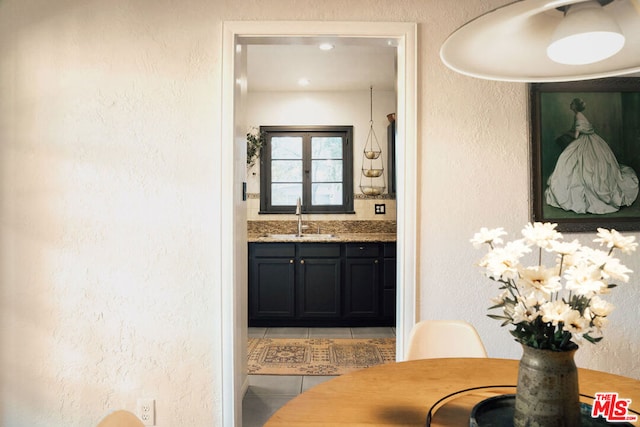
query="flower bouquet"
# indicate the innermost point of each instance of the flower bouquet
(553, 306)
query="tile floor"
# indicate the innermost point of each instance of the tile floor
(267, 393)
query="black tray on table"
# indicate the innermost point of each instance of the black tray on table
(498, 412)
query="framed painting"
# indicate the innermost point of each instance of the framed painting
(585, 154)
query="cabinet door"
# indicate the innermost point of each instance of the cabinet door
(362, 287)
(389, 288)
(318, 291)
(389, 281)
(271, 288)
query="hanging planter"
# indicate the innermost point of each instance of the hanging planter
(372, 181)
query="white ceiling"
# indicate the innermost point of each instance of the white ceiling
(354, 64)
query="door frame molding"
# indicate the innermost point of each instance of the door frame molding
(233, 342)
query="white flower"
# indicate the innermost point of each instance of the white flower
(554, 312)
(541, 234)
(613, 269)
(600, 307)
(613, 239)
(599, 323)
(550, 316)
(576, 325)
(524, 313)
(584, 280)
(488, 236)
(500, 299)
(502, 262)
(564, 248)
(594, 256)
(539, 278)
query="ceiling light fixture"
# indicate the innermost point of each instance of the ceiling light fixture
(326, 46)
(586, 34)
(526, 41)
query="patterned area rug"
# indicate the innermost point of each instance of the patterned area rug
(318, 356)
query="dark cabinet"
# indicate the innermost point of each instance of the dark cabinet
(389, 281)
(362, 280)
(321, 284)
(272, 281)
(318, 285)
(289, 281)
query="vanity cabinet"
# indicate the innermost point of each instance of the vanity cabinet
(321, 284)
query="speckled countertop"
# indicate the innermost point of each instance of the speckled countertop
(338, 238)
(322, 231)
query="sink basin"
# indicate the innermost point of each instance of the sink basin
(309, 236)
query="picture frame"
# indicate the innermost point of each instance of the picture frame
(575, 183)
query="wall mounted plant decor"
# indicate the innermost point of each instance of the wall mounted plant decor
(255, 141)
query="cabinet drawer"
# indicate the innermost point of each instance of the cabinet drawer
(319, 250)
(363, 250)
(272, 250)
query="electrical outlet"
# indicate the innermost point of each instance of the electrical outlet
(146, 411)
(380, 208)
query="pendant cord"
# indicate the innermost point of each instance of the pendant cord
(371, 104)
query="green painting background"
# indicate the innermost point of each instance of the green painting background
(615, 116)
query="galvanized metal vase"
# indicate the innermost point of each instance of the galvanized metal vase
(547, 393)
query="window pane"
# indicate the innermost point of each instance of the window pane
(285, 194)
(326, 171)
(307, 163)
(286, 171)
(286, 147)
(326, 148)
(326, 194)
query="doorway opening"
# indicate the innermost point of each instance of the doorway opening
(233, 207)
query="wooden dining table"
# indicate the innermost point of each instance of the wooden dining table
(406, 393)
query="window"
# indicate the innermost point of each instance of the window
(314, 164)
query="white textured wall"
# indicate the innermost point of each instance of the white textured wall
(108, 234)
(474, 167)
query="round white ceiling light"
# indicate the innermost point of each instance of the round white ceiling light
(511, 43)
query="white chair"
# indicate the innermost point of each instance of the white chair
(121, 419)
(444, 338)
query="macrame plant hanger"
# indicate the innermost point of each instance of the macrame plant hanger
(372, 179)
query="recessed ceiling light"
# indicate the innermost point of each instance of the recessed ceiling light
(326, 46)
(304, 81)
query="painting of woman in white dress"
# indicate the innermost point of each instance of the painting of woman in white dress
(587, 178)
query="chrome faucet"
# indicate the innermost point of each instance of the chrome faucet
(299, 215)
